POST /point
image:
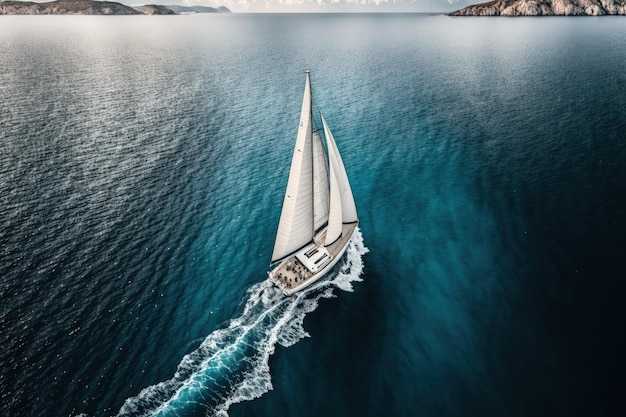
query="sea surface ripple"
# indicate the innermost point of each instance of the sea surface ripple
(143, 162)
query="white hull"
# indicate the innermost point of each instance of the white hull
(295, 273)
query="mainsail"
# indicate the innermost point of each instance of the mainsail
(296, 219)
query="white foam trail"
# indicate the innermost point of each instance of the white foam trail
(232, 364)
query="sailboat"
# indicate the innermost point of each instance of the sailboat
(319, 216)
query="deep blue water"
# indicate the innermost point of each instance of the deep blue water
(142, 166)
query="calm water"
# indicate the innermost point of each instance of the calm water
(142, 166)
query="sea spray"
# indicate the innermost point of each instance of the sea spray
(232, 364)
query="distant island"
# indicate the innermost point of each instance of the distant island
(197, 9)
(545, 8)
(90, 7)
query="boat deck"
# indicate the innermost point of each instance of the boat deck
(292, 275)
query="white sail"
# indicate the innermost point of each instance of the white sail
(348, 208)
(295, 228)
(335, 212)
(320, 183)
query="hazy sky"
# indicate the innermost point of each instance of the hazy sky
(322, 5)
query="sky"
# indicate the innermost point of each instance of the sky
(318, 6)
(296, 6)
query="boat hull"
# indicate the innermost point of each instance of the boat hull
(309, 264)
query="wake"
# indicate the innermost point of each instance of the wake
(232, 364)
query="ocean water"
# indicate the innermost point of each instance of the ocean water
(142, 166)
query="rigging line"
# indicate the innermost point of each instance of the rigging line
(316, 127)
(315, 105)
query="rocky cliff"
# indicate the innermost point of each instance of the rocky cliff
(545, 8)
(66, 7)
